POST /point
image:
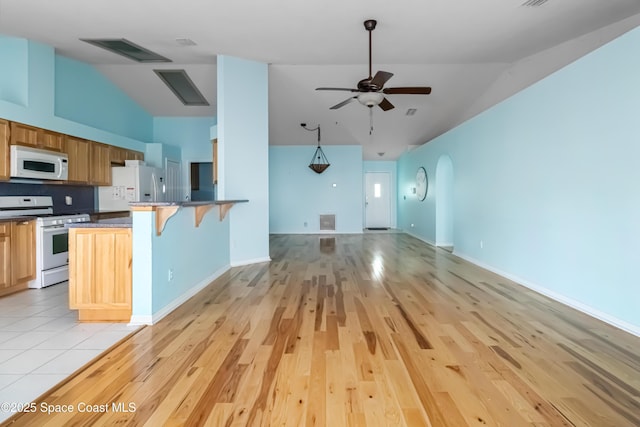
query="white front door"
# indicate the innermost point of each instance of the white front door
(378, 200)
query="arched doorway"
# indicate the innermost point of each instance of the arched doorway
(444, 203)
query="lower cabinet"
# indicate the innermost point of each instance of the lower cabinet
(100, 274)
(17, 255)
(5, 257)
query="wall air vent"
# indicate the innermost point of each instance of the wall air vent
(534, 3)
(328, 222)
(182, 87)
(127, 49)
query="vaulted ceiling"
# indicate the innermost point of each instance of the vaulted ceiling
(473, 53)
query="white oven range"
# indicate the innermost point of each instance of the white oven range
(52, 237)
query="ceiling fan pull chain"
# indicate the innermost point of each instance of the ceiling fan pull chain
(370, 121)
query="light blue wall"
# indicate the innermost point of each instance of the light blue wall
(548, 182)
(189, 136)
(29, 93)
(243, 141)
(14, 75)
(391, 168)
(206, 258)
(84, 95)
(299, 195)
(142, 266)
(208, 254)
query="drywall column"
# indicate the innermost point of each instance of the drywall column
(243, 155)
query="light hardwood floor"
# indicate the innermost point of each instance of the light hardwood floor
(372, 329)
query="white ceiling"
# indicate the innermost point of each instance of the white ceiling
(473, 53)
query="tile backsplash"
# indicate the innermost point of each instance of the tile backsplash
(82, 196)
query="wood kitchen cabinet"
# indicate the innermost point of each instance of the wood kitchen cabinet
(17, 255)
(5, 165)
(118, 155)
(78, 151)
(100, 164)
(5, 257)
(23, 252)
(50, 140)
(100, 273)
(135, 155)
(32, 136)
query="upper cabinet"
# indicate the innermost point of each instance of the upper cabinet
(78, 151)
(35, 137)
(4, 150)
(89, 162)
(100, 164)
(135, 155)
(118, 155)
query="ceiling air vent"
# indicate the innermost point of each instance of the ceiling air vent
(182, 87)
(127, 49)
(534, 3)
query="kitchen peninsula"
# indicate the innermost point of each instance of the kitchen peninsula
(138, 269)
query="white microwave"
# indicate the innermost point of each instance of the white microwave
(27, 162)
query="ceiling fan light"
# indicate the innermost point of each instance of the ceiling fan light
(370, 99)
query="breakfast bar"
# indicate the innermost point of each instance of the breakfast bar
(129, 270)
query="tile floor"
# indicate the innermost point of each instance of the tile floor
(42, 343)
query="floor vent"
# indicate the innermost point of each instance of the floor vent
(328, 222)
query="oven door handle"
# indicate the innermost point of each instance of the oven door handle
(52, 229)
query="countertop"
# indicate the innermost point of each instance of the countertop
(187, 204)
(17, 218)
(104, 223)
(127, 222)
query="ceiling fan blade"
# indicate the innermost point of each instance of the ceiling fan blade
(386, 105)
(381, 78)
(343, 103)
(407, 90)
(337, 88)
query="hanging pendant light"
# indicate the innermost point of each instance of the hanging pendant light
(319, 162)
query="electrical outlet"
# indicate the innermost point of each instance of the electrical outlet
(412, 225)
(170, 275)
(481, 244)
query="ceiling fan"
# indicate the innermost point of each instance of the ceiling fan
(371, 90)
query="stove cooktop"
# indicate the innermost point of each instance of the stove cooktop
(40, 207)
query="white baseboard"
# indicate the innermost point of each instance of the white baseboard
(250, 261)
(607, 318)
(141, 320)
(315, 232)
(429, 242)
(150, 320)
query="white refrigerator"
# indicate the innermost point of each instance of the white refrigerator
(134, 182)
